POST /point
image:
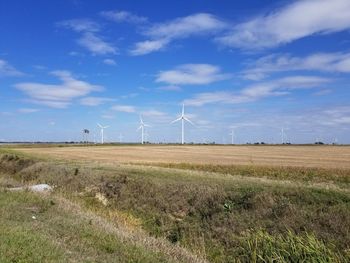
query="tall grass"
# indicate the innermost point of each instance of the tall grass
(260, 246)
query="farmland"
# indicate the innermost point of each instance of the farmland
(179, 203)
(302, 156)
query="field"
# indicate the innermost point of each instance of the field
(302, 156)
(176, 204)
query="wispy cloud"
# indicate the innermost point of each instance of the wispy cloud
(192, 74)
(96, 44)
(297, 20)
(274, 88)
(326, 62)
(57, 95)
(336, 116)
(89, 38)
(27, 110)
(124, 108)
(170, 88)
(156, 116)
(80, 25)
(160, 35)
(123, 16)
(110, 62)
(7, 70)
(94, 101)
(148, 46)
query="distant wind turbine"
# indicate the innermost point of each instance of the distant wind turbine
(102, 131)
(182, 118)
(282, 135)
(142, 127)
(121, 138)
(232, 136)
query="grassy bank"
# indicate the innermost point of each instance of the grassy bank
(221, 218)
(337, 176)
(44, 229)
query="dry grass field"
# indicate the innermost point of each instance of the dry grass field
(300, 156)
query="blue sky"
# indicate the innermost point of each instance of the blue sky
(252, 66)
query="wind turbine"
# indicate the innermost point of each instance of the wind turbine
(121, 138)
(232, 136)
(142, 127)
(102, 129)
(182, 118)
(282, 134)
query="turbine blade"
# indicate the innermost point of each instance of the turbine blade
(175, 120)
(189, 121)
(99, 125)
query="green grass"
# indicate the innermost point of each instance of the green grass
(58, 234)
(340, 177)
(221, 217)
(289, 247)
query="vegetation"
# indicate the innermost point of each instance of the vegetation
(41, 229)
(219, 217)
(338, 176)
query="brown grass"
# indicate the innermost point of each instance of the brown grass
(299, 156)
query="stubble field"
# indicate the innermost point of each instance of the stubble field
(300, 156)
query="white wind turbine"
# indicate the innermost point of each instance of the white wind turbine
(102, 131)
(142, 127)
(232, 136)
(121, 138)
(182, 118)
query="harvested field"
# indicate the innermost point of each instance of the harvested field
(300, 156)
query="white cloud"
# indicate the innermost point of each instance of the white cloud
(124, 108)
(96, 44)
(27, 110)
(192, 74)
(156, 116)
(7, 70)
(108, 116)
(80, 25)
(335, 116)
(110, 62)
(163, 33)
(278, 87)
(89, 38)
(170, 88)
(94, 101)
(153, 113)
(326, 62)
(148, 46)
(57, 95)
(297, 20)
(124, 16)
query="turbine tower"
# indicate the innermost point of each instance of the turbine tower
(102, 130)
(121, 138)
(282, 134)
(142, 127)
(182, 118)
(232, 136)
